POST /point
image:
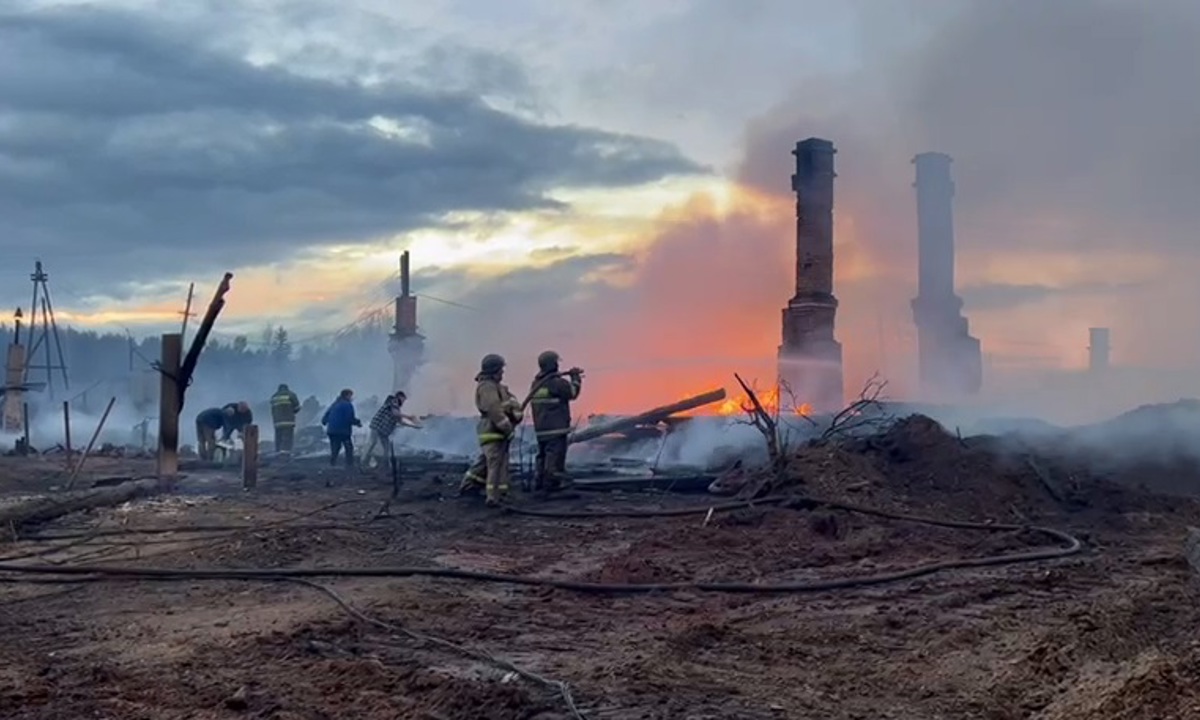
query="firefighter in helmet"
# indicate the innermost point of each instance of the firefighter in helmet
(499, 414)
(550, 396)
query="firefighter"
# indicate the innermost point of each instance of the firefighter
(550, 395)
(499, 414)
(284, 406)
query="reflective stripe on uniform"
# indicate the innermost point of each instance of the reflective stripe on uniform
(281, 400)
(543, 397)
(285, 423)
(488, 438)
(474, 478)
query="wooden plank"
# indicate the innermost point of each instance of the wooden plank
(91, 444)
(169, 407)
(250, 457)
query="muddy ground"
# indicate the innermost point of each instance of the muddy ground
(1107, 634)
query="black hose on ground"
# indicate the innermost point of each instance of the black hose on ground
(1070, 546)
(794, 502)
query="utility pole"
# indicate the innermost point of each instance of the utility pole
(46, 334)
(187, 312)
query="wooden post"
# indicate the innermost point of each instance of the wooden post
(25, 420)
(14, 382)
(250, 457)
(169, 406)
(67, 429)
(91, 443)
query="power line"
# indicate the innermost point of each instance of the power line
(451, 303)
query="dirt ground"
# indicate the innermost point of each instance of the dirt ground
(1107, 634)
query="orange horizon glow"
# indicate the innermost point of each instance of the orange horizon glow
(702, 301)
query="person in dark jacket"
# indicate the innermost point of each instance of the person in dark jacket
(550, 397)
(208, 422)
(284, 407)
(339, 421)
(237, 417)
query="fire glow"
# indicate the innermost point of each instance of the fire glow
(769, 399)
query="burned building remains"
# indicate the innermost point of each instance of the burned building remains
(810, 359)
(405, 343)
(950, 360)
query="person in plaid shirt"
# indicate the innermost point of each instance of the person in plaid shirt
(384, 423)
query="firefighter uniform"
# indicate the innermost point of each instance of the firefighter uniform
(499, 413)
(284, 407)
(550, 396)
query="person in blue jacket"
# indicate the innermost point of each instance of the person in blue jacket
(339, 421)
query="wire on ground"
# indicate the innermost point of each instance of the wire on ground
(79, 574)
(1069, 546)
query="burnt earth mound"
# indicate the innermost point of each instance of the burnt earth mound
(916, 465)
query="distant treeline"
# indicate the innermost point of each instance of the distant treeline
(248, 368)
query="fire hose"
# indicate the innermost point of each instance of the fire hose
(542, 381)
(1070, 545)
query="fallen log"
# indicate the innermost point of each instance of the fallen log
(649, 417)
(39, 510)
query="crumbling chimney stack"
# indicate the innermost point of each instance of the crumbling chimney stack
(406, 303)
(810, 358)
(950, 360)
(405, 343)
(405, 288)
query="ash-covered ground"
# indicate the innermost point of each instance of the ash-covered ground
(1103, 634)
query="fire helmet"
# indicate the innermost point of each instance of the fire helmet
(491, 364)
(548, 361)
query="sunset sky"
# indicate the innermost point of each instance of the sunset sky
(606, 177)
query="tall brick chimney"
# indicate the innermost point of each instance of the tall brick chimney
(950, 360)
(810, 359)
(405, 343)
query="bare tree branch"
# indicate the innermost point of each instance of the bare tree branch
(767, 424)
(796, 405)
(866, 411)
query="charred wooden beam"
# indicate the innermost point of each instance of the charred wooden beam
(649, 417)
(40, 510)
(206, 325)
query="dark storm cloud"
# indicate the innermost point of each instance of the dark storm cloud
(121, 134)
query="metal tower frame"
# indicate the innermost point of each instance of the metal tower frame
(46, 334)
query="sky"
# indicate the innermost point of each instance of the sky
(607, 178)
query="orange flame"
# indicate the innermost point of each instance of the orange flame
(769, 399)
